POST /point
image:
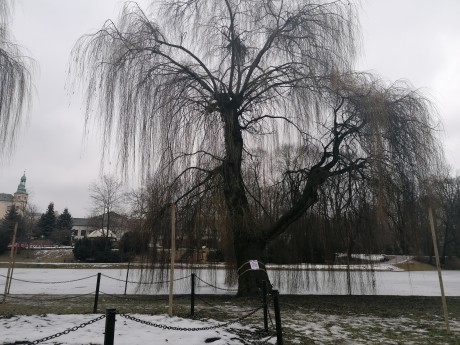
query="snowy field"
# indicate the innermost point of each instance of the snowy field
(329, 322)
(49, 281)
(21, 328)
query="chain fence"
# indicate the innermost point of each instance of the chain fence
(215, 286)
(44, 298)
(263, 338)
(50, 282)
(189, 329)
(145, 283)
(121, 280)
(67, 331)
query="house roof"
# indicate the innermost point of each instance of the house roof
(6, 197)
(100, 220)
(80, 221)
(101, 233)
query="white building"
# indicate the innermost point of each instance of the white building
(84, 227)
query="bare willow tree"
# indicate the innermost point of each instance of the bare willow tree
(194, 89)
(107, 196)
(14, 83)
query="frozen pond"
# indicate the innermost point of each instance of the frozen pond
(82, 281)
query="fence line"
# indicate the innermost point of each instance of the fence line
(147, 283)
(110, 321)
(67, 331)
(120, 280)
(132, 297)
(188, 329)
(207, 303)
(214, 286)
(40, 298)
(50, 282)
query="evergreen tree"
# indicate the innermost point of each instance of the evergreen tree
(47, 222)
(7, 227)
(64, 221)
(4, 241)
(63, 233)
(8, 221)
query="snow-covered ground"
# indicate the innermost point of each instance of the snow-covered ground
(30, 328)
(83, 281)
(321, 328)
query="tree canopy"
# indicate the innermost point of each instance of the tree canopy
(205, 94)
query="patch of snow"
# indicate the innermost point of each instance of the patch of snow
(367, 257)
(30, 328)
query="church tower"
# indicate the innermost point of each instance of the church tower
(21, 196)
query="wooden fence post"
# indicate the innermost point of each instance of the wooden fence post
(127, 274)
(438, 266)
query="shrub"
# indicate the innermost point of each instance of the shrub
(132, 243)
(95, 250)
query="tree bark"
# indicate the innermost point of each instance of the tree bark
(247, 236)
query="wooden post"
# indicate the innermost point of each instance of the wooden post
(109, 333)
(9, 274)
(96, 296)
(172, 255)
(12, 267)
(127, 274)
(438, 265)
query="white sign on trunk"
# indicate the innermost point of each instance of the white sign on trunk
(254, 264)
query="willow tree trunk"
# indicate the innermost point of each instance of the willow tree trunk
(247, 237)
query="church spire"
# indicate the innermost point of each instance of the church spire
(22, 185)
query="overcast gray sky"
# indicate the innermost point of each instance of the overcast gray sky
(418, 40)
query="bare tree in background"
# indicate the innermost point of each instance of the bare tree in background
(15, 84)
(193, 91)
(107, 196)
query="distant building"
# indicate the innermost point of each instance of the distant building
(18, 199)
(103, 233)
(84, 227)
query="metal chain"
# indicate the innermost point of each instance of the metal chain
(58, 282)
(147, 283)
(206, 302)
(268, 310)
(131, 297)
(41, 299)
(215, 287)
(67, 331)
(262, 342)
(187, 329)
